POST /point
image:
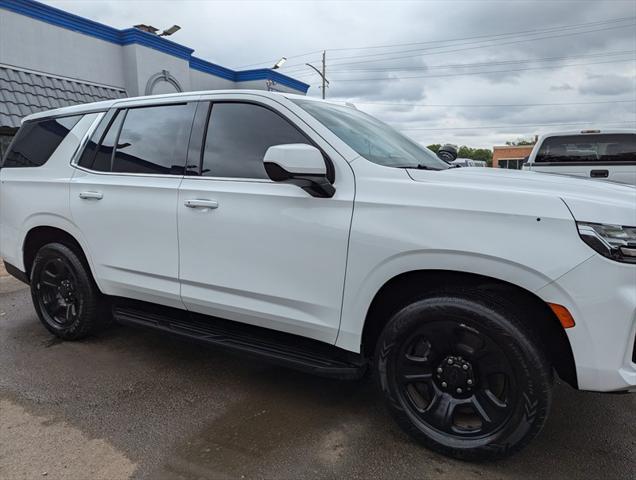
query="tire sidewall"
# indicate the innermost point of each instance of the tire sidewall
(532, 380)
(85, 292)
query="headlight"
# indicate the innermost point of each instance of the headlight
(611, 241)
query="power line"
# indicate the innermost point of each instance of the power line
(449, 40)
(476, 47)
(518, 32)
(507, 105)
(479, 73)
(515, 125)
(480, 64)
(272, 61)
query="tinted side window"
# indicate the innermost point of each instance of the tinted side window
(36, 141)
(238, 136)
(154, 140)
(99, 151)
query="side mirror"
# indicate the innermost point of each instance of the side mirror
(300, 164)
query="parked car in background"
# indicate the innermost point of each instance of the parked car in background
(315, 236)
(606, 155)
(468, 162)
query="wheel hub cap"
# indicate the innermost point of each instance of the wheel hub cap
(455, 375)
(66, 290)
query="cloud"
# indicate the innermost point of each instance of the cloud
(608, 85)
(265, 31)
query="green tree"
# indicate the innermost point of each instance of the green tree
(435, 147)
(519, 142)
(484, 154)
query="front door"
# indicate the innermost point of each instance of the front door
(256, 251)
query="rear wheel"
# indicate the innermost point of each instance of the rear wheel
(64, 294)
(461, 374)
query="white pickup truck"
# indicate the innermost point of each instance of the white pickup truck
(600, 154)
(315, 236)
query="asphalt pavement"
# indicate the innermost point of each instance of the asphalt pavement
(135, 404)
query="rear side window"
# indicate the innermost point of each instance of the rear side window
(238, 136)
(589, 148)
(36, 141)
(150, 140)
(99, 151)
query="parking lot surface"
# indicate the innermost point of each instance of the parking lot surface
(134, 404)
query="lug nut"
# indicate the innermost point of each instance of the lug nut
(450, 361)
(459, 390)
(444, 384)
(469, 381)
(440, 370)
(465, 367)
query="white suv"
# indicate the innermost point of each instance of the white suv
(313, 235)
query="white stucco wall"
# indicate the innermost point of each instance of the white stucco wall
(204, 81)
(141, 63)
(35, 45)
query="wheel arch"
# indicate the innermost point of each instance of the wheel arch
(40, 235)
(405, 287)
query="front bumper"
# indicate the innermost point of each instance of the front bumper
(601, 296)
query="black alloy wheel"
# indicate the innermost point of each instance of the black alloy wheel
(463, 376)
(56, 292)
(456, 379)
(64, 293)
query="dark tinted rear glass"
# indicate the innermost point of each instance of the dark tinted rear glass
(154, 140)
(36, 141)
(593, 148)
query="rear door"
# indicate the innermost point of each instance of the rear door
(253, 250)
(124, 200)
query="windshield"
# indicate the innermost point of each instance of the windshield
(371, 138)
(614, 147)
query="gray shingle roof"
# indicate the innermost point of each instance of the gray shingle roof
(23, 93)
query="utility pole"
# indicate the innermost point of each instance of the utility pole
(322, 72)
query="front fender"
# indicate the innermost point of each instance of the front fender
(359, 298)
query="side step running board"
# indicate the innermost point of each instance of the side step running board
(277, 347)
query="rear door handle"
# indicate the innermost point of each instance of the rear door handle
(199, 203)
(91, 195)
(599, 173)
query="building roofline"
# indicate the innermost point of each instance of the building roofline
(128, 36)
(501, 147)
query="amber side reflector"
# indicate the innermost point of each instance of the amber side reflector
(562, 313)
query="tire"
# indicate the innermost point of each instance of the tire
(64, 294)
(462, 375)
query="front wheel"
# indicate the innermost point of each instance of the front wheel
(461, 374)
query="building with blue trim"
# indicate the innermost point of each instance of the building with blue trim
(50, 58)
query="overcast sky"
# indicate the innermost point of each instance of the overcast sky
(590, 46)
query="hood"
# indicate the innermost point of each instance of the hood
(589, 200)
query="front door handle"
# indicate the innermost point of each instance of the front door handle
(199, 203)
(599, 173)
(91, 195)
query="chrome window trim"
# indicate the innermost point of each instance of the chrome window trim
(230, 179)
